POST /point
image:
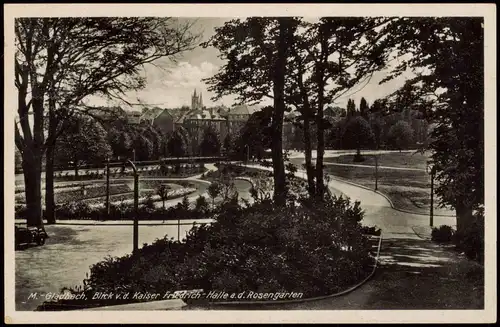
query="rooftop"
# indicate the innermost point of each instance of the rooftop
(108, 112)
(203, 115)
(151, 113)
(134, 117)
(239, 110)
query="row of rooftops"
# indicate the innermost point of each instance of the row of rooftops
(180, 115)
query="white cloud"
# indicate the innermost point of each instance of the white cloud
(188, 75)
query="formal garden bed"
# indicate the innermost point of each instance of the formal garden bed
(154, 184)
(122, 207)
(231, 171)
(144, 196)
(75, 193)
(180, 171)
(67, 186)
(315, 249)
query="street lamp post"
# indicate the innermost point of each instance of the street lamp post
(376, 172)
(432, 171)
(136, 208)
(179, 230)
(107, 189)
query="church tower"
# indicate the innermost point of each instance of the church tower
(196, 101)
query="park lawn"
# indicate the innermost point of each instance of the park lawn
(393, 159)
(408, 189)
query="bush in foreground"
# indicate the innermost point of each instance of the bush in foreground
(314, 249)
(373, 230)
(443, 234)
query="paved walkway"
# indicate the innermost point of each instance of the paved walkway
(369, 166)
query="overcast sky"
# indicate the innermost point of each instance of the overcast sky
(172, 85)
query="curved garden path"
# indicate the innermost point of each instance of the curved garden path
(378, 210)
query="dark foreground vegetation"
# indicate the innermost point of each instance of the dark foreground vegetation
(315, 248)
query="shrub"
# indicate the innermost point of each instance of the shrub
(74, 210)
(358, 158)
(443, 234)
(371, 230)
(149, 203)
(201, 204)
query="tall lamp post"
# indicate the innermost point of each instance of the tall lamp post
(107, 189)
(376, 172)
(432, 170)
(136, 208)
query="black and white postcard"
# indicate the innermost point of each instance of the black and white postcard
(250, 163)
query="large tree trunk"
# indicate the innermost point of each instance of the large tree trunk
(277, 117)
(50, 214)
(320, 187)
(320, 146)
(465, 217)
(32, 169)
(75, 166)
(306, 113)
(311, 187)
(49, 166)
(31, 145)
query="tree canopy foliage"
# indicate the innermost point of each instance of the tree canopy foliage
(84, 140)
(297, 64)
(447, 57)
(400, 135)
(357, 134)
(59, 62)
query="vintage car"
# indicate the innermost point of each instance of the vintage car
(29, 235)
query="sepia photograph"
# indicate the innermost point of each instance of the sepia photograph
(228, 163)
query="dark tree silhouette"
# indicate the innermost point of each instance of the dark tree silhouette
(452, 51)
(357, 135)
(61, 61)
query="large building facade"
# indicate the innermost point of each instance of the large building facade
(197, 119)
